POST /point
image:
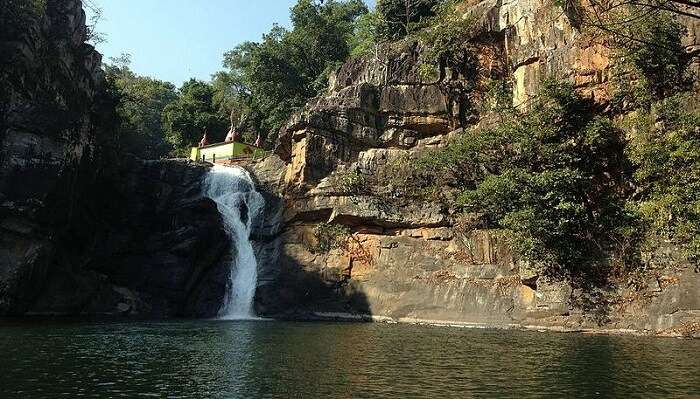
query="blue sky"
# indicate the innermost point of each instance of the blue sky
(175, 40)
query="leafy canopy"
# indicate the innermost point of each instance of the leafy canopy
(650, 61)
(140, 108)
(549, 179)
(193, 112)
(271, 79)
(400, 16)
(665, 149)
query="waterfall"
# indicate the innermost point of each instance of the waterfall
(239, 204)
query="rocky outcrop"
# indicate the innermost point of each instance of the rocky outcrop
(50, 81)
(165, 251)
(83, 230)
(375, 102)
(411, 261)
(157, 249)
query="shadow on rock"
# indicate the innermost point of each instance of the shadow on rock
(288, 290)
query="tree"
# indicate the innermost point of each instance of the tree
(140, 108)
(95, 15)
(650, 59)
(271, 79)
(665, 149)
(186, 118)
(369, 35)
(602, 9)
(400, 15)
(550, 180)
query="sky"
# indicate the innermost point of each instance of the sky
(175, 40)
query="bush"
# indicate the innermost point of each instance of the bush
(649, 58)
(498, 97)
(329, 236)
(550, 178)
(665, 148)
(410, 178)
(445, 35)
(350, 183)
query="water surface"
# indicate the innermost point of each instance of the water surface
(218, 359)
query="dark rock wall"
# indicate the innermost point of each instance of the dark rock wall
(50, 84)
(83, 229)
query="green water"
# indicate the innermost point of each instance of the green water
(304, 360)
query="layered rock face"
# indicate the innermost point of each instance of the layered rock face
(160, 251)
(410, 261)
(50, 80)
(82, 230)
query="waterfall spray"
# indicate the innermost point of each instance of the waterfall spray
(239, 204)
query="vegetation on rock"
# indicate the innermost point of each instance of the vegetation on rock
(329, 236)
(142, 101)
(400, 17)
(650, 61)
(275, 77)
(665, 149)
(550, 179)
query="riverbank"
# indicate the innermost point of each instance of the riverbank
(692, 332)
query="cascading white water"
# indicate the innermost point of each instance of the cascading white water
(239, 204)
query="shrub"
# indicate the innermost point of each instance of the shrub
(350, 183)
(649, 58)
(329, 236)
(550, 179)
(445, 34)
(665, 148)
(498, 97)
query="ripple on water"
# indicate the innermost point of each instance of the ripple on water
(325, 360)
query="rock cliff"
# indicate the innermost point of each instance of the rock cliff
(410, 261)
(84, 231)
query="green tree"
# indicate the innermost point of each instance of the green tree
(650, 59)
(186, 118)
(140, 108)
(369, 34)
(665, 149)
(551, 180)
(401, 15)
(271, 79)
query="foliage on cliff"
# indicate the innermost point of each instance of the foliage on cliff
(275, 77)
(192, 113)
(329, 236)
(435, 23)
(400, 17)
(572, 192)
(140, 109)
(55, 82)
(665, 149)
(550, 179)
(650, 62)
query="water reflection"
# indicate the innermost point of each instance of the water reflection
(302, 360)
